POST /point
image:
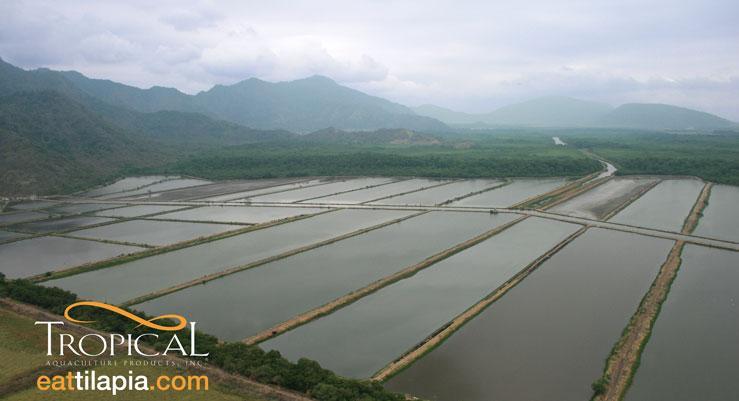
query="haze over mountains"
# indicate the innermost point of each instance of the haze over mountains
(59, 130)
(301, 106)
(568, 112)
(317, 102)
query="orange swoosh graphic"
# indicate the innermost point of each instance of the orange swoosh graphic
(142, 322)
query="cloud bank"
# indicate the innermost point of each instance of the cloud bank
(471, 56)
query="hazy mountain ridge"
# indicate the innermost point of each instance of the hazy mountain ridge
(306, 105)
(302, 105)
(569, 112)
(663, 116)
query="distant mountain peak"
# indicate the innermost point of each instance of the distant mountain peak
(318, 78)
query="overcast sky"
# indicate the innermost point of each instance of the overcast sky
(467, 55)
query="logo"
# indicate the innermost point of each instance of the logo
(97, 349)
(148, 323)
(109, 344)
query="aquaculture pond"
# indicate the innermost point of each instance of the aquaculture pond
(217, 188)
(76, 208)
(69, 223)
(721, 217)
(127, 184)
(383, 191)
(140, 277)
(39, 255)
(254, 192)
(517, 191)
(605, 198)
(153, 232)
(137, 211)
(277, 291)
(548, 337)
(32, 205)
(18, 217)
(316, 191)
(152, 189)
(361, 338)
(664, 207)
(8, 235)
(441, 194)
(693, 352)
(239, 214)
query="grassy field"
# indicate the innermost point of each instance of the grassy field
(22, 345)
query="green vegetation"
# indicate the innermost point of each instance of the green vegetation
(305, 376)
(49, 143)
(600, 386)
(497, 156)
(20, 347)
(713, 157)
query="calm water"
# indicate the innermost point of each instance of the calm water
(275, 292)
(440, 194)
(17, 217)
(45, 226)
(509, 195)
(31, 205)
(8, 235)
(321, 190)
(364, 195)
(126, 184)
(136, 211)
(217, 188)
(76, 208)
(162, 186)
(153, 232)
(239, 214)
(43, 254)
(547, 339)
(244, 194)
(664, 207)
(363, 337)
(123, 282)
(693, 353)
(603, 199)
(721, 217)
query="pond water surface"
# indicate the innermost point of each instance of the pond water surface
(364, 336)
(693, 352)
(277, 291)
(548, 337)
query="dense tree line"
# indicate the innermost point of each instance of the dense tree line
(429, 161)
(305, 376)
(711, 156)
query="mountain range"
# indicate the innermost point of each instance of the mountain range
(557, 111)
(303, 105)
(60, 131)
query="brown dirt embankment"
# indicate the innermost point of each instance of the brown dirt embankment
(260, 262)
(362, 292)
(624, 359)
(455, 324)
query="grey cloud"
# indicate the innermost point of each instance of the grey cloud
(472, 55)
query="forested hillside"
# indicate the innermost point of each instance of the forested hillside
(50, 144)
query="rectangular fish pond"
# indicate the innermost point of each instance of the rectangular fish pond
(120, 283)
(548, 337)
(272, 293)
(364, 336)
